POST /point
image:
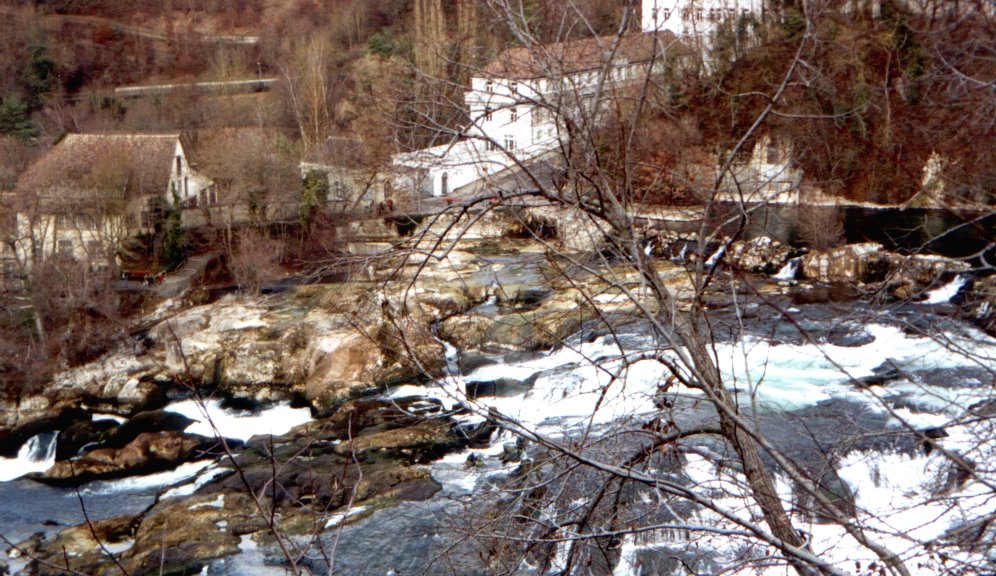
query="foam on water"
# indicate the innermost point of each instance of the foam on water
(789, 270)
(36, 455)
(794, 376)
(591, 383)
(240, 425)
(181, 473)
(948, 291)
(206, 475)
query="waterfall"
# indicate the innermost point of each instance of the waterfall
(452, 356)
(454, 390)
(36, 455)
(714, 259)
(789, 270)
(948, 291)
(40, 448)
(683, 255)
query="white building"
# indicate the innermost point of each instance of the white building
(517, 107)
(697, 18)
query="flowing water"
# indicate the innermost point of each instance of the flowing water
(807, 394)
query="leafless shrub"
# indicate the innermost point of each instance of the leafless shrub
(821, 227)
(255, 260)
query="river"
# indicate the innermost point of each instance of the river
(801, 389)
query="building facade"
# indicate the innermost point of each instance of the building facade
(90, 193)
(519, 106)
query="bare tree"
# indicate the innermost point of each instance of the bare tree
(592, 172)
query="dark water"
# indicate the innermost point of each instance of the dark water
(27, 507)
(964, 235)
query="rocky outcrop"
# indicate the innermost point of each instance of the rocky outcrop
(33, 416)
(149, 452)
(867, 263)
(852, 263)
(760, 255)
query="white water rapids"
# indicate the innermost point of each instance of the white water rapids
(895, 493)
(36, 455)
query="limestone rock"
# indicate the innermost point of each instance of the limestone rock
(148, 452)
(851, 263)
(761, 255)
(424, 440)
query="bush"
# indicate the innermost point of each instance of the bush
(255, 260)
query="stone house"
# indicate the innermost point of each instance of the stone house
(91, 193)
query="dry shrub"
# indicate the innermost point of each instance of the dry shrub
(255, 260)
(821, 227)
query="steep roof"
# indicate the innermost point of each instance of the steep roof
(528, 62)
(130, 164)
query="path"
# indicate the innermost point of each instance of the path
(179, 280)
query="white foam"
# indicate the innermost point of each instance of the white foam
(98, 416)
(945, 293)
(179, 474)
(206, 476)
(218, 502)
(118, 547)
(276, 420)
(338, 518)
(789, 270)
(36, 455)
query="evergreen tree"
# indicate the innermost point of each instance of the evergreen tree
(314, 195)
(173, 242)
(14, 119)
(39, 75)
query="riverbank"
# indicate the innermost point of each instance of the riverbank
(341, 435)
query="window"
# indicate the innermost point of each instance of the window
(487, 114)
(772, 155)
(489, 86)
(513, 114)
(538, 115)
(513, 87)
(93, 248)
(65, 248)
(509, 142)
(492, 146)
(179, 165)
(444, 184)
